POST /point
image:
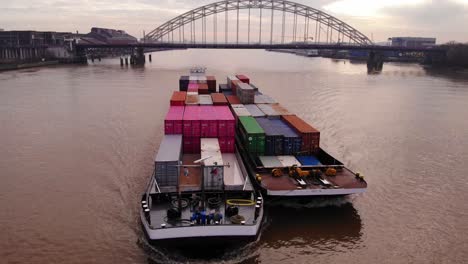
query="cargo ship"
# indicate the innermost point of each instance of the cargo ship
(281, 151)
(200, 192)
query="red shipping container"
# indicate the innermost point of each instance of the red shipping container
(211, 81)
(226, 121)
(232, 99)
(203, 88)
(173, 123)
(178, 98)
(191, 121)
(227, 144)
(243, 78)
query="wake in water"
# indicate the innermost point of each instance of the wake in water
(240, 254)
(316, 202)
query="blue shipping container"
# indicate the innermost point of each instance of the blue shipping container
(308, 160)
(273, 137)
(292, 142)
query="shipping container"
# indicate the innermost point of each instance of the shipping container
(254, 110)
(292, 142)
(223, 88)
(273, 136)
(280, 109)
(183, 83)
(234, 85)
(192, 124)
(193, 87)
(310, 136)
(270, 162)
(308, 160)
(178, 98)
(191, 145)
(252, 135)
(211, 81)
(243, 78)
(232, 99)
(254, 87)
(219, 99)
(227, 144)
(173, 123)
(192, 99)
(230, 79)
(268, 110)
(240, 110)
(246, 93)
(202, 79)
(205, 99)
(213, 167)
(288, 161)
(208, 121)
(226, 121)
(167, 160)
(264, 99)
(203, 88)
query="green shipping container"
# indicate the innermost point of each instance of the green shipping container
(252, 135)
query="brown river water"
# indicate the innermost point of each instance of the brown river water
(77, 147)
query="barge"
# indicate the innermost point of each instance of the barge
(199, 193)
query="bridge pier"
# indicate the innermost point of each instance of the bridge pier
(375, 62)
(139, 58)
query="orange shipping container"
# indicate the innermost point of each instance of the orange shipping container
(178, 98)
(280, 109)
(219, 99)
(232, 99)
(310, 136)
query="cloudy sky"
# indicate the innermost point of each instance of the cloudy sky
(380, 19)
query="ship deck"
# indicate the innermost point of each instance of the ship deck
(158, 214)
(344, 179)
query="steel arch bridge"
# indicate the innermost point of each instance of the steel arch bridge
(326, 29)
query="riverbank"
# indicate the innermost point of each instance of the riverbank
(19, 66)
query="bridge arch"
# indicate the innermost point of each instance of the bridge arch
(325, 24)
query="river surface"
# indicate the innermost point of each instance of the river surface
(77, 147)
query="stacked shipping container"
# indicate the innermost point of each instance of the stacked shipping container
(252, 135)
(310, 136)
(173, 123)
(178, 98)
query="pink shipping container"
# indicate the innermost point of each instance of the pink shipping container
(173, 123)
(191, 145)
(191, 121)
(227, 144)
(226, 121)
(209, 122)
(192, 87)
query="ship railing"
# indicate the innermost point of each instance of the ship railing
(307, 167)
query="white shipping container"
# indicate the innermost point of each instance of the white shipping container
(205, 99)
(241, 112)
(254, 110)
(167, 160)
(268, 111)
(213, 169)
(270, 162)
(263, 99)
(288, 161)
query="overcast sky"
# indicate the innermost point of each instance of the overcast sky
(445, 19)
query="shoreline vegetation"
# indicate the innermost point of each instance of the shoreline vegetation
(457, 55)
